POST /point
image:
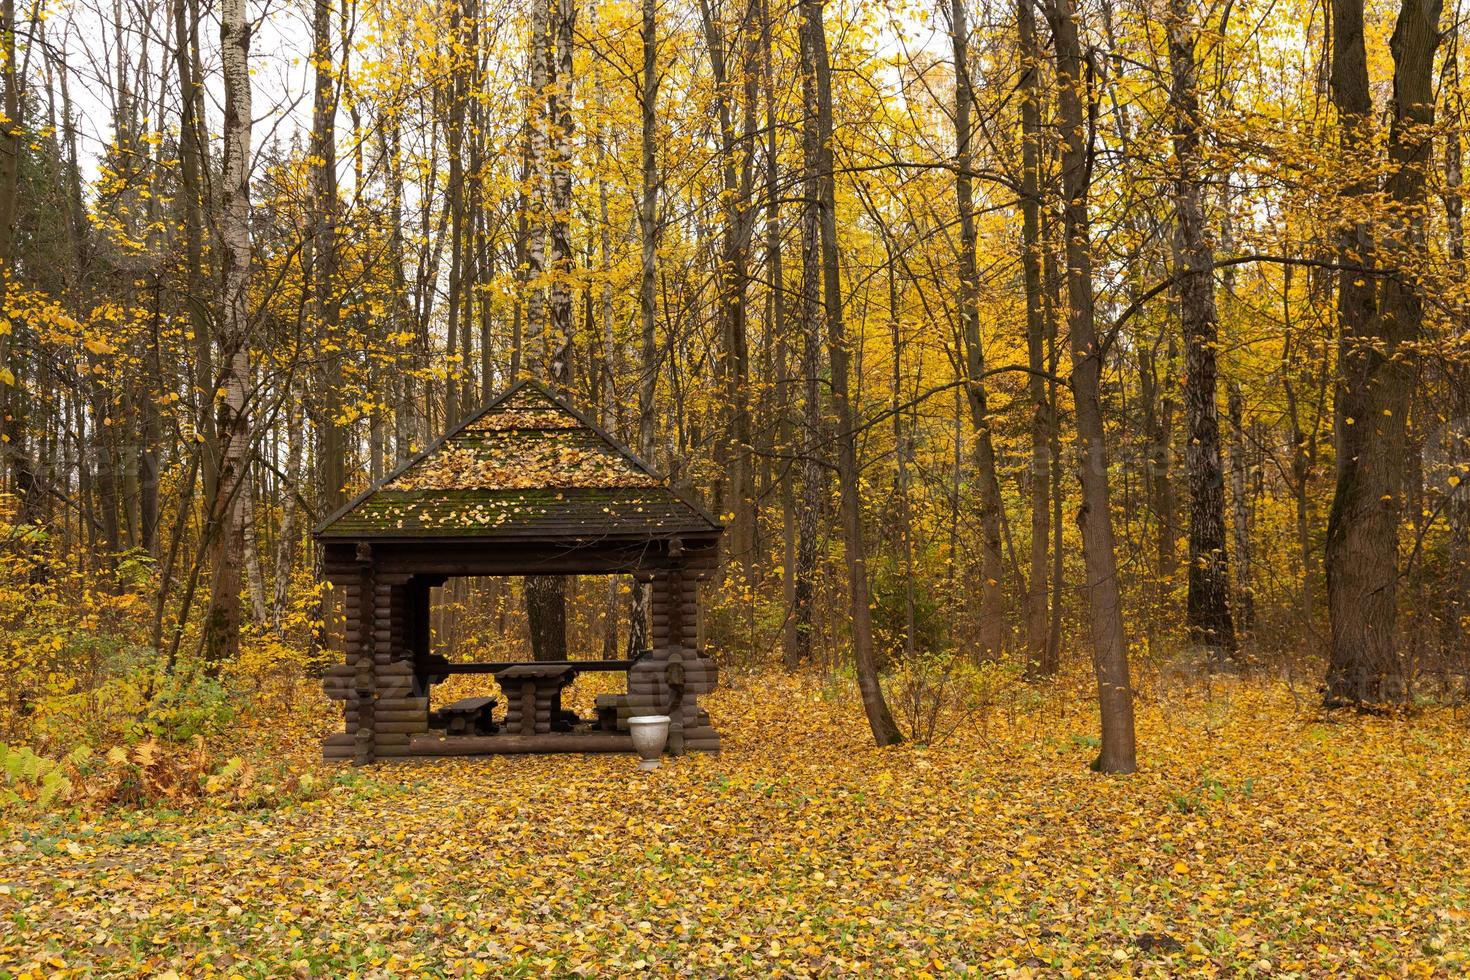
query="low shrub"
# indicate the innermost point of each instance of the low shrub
(152, 773)
(937, 694)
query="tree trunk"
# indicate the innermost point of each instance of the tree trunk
(647, 294)
(1303, 456)
(1377, 363)
(1038, 664)
(405, 413)
(817, 133)
(1110, 645)
(559, 258)
(10, 137)
(733, 278)
(813, 474)
(286, 533)
(1240, 510)
(454, 361)
(546, 612)
(222, 627)
(254, 579)
(903, 512)
(11, 416)
(776, 300)
(331, 461)
(992, 630)
(546, 594)
(1210, 624)
(191, 190)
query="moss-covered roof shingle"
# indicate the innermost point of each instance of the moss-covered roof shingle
(528, 466)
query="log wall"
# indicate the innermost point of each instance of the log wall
(676, 672)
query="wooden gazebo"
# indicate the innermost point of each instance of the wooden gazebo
(527, 486)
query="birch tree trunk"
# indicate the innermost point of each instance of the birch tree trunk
(546, 594)
(647, 295)
(191, 190)
(222, 626)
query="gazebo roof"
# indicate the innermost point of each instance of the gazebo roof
(527, 467)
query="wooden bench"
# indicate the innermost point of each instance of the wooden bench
(467, 716)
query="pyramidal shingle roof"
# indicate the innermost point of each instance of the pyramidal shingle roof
(527, 466)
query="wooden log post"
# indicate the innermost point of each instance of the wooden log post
(417, 631)
(670, 678)
(398, 711)
(366, 686)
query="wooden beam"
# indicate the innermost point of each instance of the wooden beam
(432, 745)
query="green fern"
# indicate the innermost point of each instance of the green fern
(28, 774)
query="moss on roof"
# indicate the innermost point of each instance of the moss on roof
(528, 466)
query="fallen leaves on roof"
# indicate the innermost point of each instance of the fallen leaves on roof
(508, 463)
(532, 418)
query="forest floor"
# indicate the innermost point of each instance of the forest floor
(1261, 837)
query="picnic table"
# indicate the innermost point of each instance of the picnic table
(532, 691)
(533, 696)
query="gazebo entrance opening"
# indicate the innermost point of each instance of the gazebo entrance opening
(486, 618)
(484, 650)
(527, 487)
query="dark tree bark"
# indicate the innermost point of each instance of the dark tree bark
(191, 190)
(559, 258)
(10, 137)
(1110, 646)
(1240, 510)
(737, 171)
(1039, 662)
(791, 650)
(11, 132)
(813, 474)
(546, 610)
(992, 625)
(1158, 408)
(1303, 454)
(817, 142)
(455, 190)
(331, 456)
(1377, 360)
(1210, 624)
(648, 232)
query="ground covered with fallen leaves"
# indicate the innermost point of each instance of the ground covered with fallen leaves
(1261, 838)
